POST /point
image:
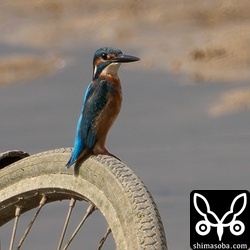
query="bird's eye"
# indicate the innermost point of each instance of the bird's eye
(104, 56)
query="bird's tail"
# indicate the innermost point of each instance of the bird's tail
(70, 162)
(76, 157)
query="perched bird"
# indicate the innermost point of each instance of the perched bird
(102, 104)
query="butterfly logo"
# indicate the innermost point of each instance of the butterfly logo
(203, 227)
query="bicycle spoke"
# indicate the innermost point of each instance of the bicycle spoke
(89, 211)
(104, 238)
(17, 215)
(71, 206)
(41, 204)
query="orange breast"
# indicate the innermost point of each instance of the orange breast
(110, 112)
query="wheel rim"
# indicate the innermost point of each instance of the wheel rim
(104, 181)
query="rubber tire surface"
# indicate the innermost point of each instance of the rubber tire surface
(109, 184)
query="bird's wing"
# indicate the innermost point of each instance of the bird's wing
(95, 100)
(94, 103)
(88, 93)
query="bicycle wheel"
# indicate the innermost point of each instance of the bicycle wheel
(105, 182)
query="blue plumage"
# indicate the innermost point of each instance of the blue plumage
(101, 104)
(94, 101)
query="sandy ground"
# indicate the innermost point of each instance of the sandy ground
(207, 40)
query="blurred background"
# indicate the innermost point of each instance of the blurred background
(184, 124)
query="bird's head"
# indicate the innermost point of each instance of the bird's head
(107, 60)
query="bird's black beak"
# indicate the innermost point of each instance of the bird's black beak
(122, 58)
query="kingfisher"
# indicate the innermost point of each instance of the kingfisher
(101, 104)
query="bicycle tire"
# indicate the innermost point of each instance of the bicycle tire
(103, 180)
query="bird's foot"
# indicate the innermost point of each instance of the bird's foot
(104, 152)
